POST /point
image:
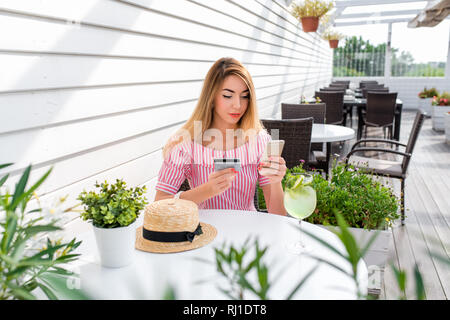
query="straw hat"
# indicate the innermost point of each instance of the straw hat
(172, 225)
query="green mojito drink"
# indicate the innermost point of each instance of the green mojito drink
(300, 202)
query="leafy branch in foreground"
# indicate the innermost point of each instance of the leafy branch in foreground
(237, 265)
(400, 276)
(353, 254)
(24, 264)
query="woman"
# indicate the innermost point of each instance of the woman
(224, 124)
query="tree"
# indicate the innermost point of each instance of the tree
(359, 58)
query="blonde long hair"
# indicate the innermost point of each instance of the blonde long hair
(203, 112)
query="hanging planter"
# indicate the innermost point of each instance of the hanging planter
(309, 13)
(333, 37)
(333, 43)
(310, 24)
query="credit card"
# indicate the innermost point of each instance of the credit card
(225, 163)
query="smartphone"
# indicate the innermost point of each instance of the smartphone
(274, 148)
(225, 163)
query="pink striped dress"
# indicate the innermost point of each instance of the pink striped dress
(194, 162)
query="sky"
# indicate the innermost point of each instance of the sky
(425, 44)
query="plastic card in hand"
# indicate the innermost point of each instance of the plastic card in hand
(274, 148)
(225, 163)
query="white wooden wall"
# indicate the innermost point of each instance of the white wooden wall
(94, 88)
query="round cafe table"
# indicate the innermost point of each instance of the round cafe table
(150, 273)
(330, 133)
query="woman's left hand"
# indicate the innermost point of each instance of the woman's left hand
(274, 169)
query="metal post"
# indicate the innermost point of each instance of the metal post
(387, 58)
(447, 66)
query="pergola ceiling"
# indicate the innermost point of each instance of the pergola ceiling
(346, 12)
(408, 10)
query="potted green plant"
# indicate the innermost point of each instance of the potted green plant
(333, 38)
(440, 105)
(309, 12)
(113, 211)
(425, 97)
(365, 204)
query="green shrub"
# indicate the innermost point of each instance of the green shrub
(442, 99)
(114, 205)
(362, 201)
(428, 93)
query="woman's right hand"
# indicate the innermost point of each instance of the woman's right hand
(220, 181)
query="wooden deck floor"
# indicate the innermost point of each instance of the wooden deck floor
(427, 225)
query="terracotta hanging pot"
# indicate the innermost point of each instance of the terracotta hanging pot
(334, 43)
(310, 24)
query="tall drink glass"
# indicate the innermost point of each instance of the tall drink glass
(300, 202)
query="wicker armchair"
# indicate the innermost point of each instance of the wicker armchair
(380, 111)
(333, 89)
(317, 111)
(372, 89)
(297, 136)
(298, 111)
(347, 111)
(363, 83)
(334, 106)
(338, 85)
(373, 86)
(387, 168)
(342, 82)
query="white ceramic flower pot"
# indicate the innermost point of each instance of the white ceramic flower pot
(447, 127)
(425, 105)
(116, 245)
(438, 117)
(378, 253)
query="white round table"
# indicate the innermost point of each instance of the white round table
(150, 273)
(330, 133)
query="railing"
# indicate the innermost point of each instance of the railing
(359, 58)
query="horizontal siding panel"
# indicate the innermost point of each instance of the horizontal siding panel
(50, 108)
(24, 72)
(236, 22)
(107, 158)
(37, 36)
(253, 13)
(40, 146)
(136, 20)
(279, 89)
(271, 103)
(272, 15)
(179, 16)
(60, 141)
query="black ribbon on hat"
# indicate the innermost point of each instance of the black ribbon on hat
(171, 236)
